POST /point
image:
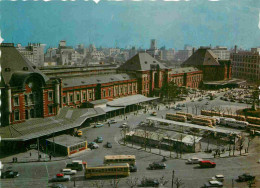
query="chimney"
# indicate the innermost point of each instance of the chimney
(235, 48)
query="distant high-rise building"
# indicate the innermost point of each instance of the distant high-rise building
(222, 52)
(62, 43)
(153, 44)
(34, 52)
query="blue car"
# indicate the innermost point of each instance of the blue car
(99, 139)
(98, 125)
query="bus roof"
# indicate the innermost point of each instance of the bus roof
(109, 166)
(119, 157)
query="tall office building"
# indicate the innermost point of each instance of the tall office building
(153, 45)
(34, 52)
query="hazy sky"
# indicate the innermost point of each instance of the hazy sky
(173, 24)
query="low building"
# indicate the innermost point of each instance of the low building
(66, 144)
(168, 140)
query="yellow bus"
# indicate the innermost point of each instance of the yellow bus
(121, 169)
(213, 120)
(202, 121)
(110, 159)
(176, 117)
(189, 116)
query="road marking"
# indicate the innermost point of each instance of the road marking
(47, 170)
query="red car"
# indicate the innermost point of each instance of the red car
(207, 164)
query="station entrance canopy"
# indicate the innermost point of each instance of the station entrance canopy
(130, 100)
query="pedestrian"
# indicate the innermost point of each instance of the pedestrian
(30, 154)
(13, 159)
(126, 117)
(109, 124)
(162, 116)
(50, 157)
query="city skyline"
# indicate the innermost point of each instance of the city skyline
(199, 23)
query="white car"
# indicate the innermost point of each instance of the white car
(218, 177)
(213, 183)
(193, 160)
(124, 125)
(68, 171)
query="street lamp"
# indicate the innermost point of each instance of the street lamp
(172, 177)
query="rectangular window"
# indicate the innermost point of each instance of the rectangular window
(50, 109)
(71, 97)
(26, 99)
(50, 95)
(104, 93)
(90, 95)
(16, 100)
(84, 95)
(109, 92)
(64, 99)
(78, 96)
(121, 89)
(16, 115)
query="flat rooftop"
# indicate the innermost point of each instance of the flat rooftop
(65, 140)
(218, 130)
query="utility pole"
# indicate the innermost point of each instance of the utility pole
(172, 177)
(38, 148)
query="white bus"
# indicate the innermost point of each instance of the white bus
(233, 123)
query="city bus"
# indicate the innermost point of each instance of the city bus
(253, 120)
(189, 116)
(121, 169)
(233, 123)
(213, 120)
(176, 117)
(110, 159)
(202, 121)
(210, 113)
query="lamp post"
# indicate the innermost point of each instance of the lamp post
(172, 177)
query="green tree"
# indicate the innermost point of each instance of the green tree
(171, 90)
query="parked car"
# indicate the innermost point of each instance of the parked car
(193, 160)
(218, 177)
(207, 103)
(93, 145)
(183, 105)
(97, 125)
(157, 165)
(124, 125)
(109, 145)
(245, 177)
(178, 108)
(60, 178)
(9, 174)
(112, 121)
(99, 139)
(149, 182)
(200, 99)
(68, 171)
(213, 183)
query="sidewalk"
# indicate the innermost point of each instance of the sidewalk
(25, 157)
(184, 156)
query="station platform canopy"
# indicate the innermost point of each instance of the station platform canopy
(37, 127)
(130, 100)
(218, 130)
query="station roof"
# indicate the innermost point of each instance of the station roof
(129, 100)
(183, 70)
(65, 140)
(218, 130)
(91, 80)
(37, 127)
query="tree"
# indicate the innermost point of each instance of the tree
(171, 90)
(98, 184)
(132, 182)
(178, 182)
(162, 181)
(241, 141)
(114, 183)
